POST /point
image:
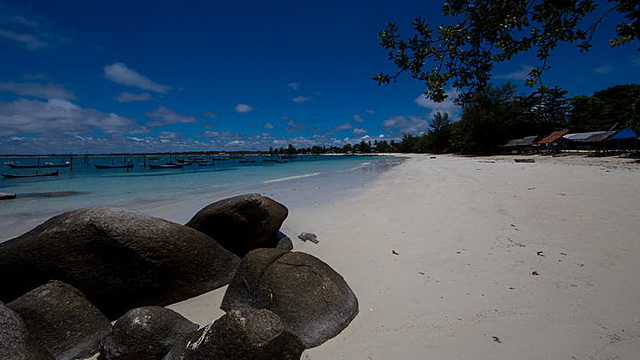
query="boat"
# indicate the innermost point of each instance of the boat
(46, 165)
(13, 176)
(120, 166)
(166, 166)
(197, 159)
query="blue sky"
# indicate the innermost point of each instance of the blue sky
(112, 76)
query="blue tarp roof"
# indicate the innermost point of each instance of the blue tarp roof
(624, 134)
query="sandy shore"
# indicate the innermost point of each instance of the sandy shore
(482, 258)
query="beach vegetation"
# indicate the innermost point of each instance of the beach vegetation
(462, 52)
(498, 114)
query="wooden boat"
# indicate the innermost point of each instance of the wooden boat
(197, 159)
(12, 176)
(46, 165)
(166, 166)
(120, 166)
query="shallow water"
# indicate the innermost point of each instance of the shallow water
(176, 193)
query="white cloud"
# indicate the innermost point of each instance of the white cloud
(210, 115)
(268, 126)
(446, 106)
(169, 135)
(210, 134)
(27, 29)
(29, 41)
(370, 111)
(406, 124)
(521, 74)
(293, 86)
(243, 108)
(223, 135)
(121, 74)
(358, 118)
(605, 69)
(130, 97)
(163, 116)
(359, 131)
(43, 91)
(294, 127)
(300, 99)
(346, 126)
(59, 117)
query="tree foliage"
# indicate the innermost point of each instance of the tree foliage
(481, 33)
(616, 107)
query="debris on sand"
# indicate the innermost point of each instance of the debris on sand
(305, 236)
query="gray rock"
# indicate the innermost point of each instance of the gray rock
(145, 333)
(242, 223)
(241, 335)
(284, 242)
(15, 342)
(119, 259)
(62, 320)
(305, 236)
(309, 296)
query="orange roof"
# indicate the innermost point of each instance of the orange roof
(552, 137)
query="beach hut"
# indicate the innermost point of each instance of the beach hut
(625, 140)
(591, 141)
(554, 141)
(524, 145)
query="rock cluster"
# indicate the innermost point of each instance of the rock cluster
(66, 280)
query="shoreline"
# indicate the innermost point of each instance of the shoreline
(483, 258)
(495, 260)
(295, 185)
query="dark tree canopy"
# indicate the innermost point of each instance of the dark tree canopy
(612, 108)
(481, 33)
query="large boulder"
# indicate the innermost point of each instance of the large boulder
(15, 342)
(145, 333)
(62, 320)
(242, 223)
(309, 296)
(119, 259)
(241, 335)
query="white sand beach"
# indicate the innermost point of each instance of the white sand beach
(481, 258)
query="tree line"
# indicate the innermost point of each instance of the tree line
(499, 113)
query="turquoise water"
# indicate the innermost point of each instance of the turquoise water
(301, 180)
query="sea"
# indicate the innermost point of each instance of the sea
(296, 181)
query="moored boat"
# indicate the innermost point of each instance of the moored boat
(12, 176)
(166, 166)
(46, 165)
(119, 166)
